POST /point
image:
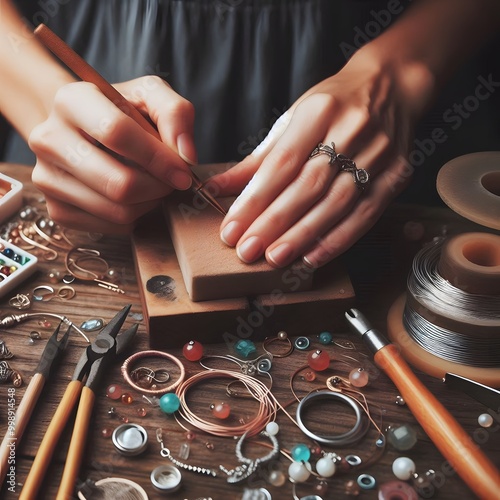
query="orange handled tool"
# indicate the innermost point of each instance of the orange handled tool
(465, 456)
(91, 366)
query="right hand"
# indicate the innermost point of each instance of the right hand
(99, 170)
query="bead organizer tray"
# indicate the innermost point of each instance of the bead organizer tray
(15, 266)
(11, 196)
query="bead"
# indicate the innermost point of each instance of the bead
(92, 325)
(276, 478)
(403, 468)
(264, 365)
(272, 428)
(351, 488)
(299, 472)
(424, 484)
(316, 451)
(325, 338)
(320, 487)
(190, 435)
(325, 467)
(141, 411)
(8, 252)
(301, 453)
(400, 401)
(245, 348)
(169, 403)
(402, 437)
(302, 343)
(193, 350)
(310, 375)
(184, 451)
(114, 391)
(209, 445)
(282, 335)
(485, 420)
(35, 335)
(318, 360)
(54, 276)
(126, 398)
(106, 432)
(358, 377)
(221, 410)
(396, 490)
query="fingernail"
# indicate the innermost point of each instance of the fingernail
(231, 233)
(186, 148)
(280, 255)
(250, 249)
(179, 179)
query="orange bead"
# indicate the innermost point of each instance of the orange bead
(318, 360)
(193, 350)
(221, 410)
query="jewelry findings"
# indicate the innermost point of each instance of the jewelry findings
(165, 453)
(249, 466)
(135, 376)
(282, 337)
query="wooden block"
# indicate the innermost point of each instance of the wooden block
(172, 318)
(212, 270)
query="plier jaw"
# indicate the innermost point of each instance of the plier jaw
(104, 347)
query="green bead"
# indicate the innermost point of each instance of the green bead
(245, 348)
(169, 403)
(325, 338)
(301, 453)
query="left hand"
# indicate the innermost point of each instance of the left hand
(294, 206)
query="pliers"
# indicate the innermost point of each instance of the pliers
(91, 366)
(51, 354)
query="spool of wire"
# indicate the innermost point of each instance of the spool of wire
(447, 321)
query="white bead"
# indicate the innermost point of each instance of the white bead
(485, 420)
(403, 468)
(325, 467)
(272, 428)
(299, 472)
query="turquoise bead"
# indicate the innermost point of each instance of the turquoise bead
(301, 453)
(169, 403)
(325, 338)
(245, 348)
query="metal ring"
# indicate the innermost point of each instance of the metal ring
(156, 354)
(281, 337)
(360, 175)
(44, 297)
(352, 436)
(20, 301)
(366, 482)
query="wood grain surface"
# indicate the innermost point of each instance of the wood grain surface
(379, 264)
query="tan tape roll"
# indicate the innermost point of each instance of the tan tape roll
(471, 262)
(470, 186)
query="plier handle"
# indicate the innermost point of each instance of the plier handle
(87, 375)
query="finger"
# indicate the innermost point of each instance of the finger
(172, 114)
(87, 109)
(233, 180)
(269, 230)
(334, 206)
(358, 221)
(72, 217)
(48, 178)
(98, 170)
(311, 184)
(279, 167)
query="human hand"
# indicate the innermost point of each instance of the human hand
(294, 206)
(99, 170)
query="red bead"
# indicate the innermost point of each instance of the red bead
(221, 410)
(193, 351)
(114, 391)
(318, 360)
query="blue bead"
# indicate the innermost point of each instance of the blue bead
(245, 348)
(301, 452)
(8, 252)
(325, 338)
(302, 343)
(169, 403)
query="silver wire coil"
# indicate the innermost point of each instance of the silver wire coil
(430, 289)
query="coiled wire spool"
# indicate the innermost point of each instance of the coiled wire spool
(449, 319)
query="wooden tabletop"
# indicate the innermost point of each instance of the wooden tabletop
(379, 264)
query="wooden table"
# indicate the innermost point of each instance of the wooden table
(385, 253)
